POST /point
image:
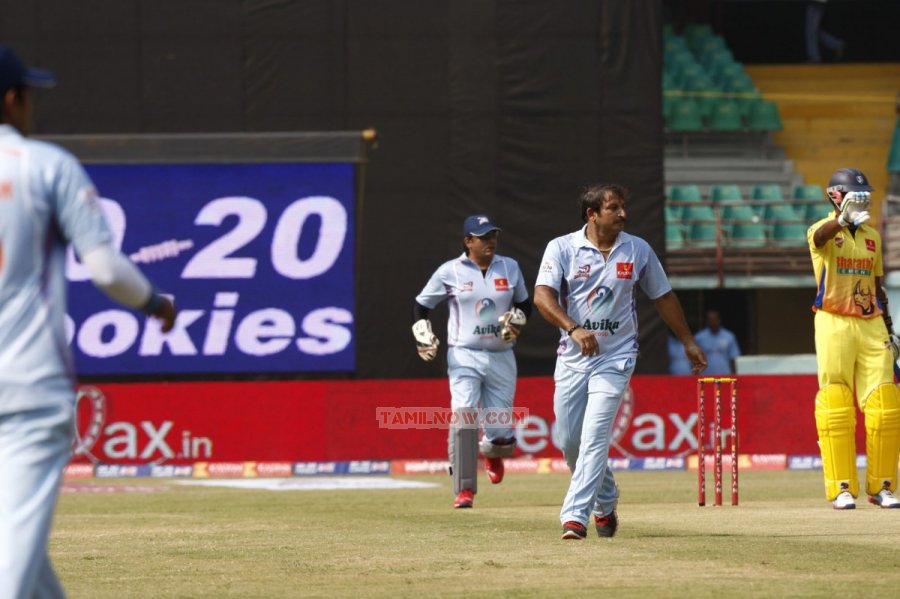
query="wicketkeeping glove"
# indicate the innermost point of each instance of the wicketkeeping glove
(854, 208)
(511, 324)
(894, 340)
(426, 340)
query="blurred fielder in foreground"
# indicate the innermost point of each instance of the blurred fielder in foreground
(586, 286)
(46, 202)
(489, 305)
(855, 347)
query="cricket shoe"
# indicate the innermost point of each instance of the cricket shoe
(574, 530)
(464, 499)
(606, 525)
(494, 469)
(885, 499)
(844, 501)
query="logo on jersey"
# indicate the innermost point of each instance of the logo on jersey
(584, 272)
(624, 270)
(546, 267)
(501, 285)
(597, 302)
(870, 245)
(467, 286)
(864, 298)
(486, 310)
(838, 241)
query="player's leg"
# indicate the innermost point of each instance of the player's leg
(592, 485)
(836, 348)
(462, 444)
(881, 405)
(498, 392)
(34, 448)
(569, 402)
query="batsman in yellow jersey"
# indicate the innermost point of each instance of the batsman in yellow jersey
(855, 348)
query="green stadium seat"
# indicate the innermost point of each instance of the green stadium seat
(674, 236)
(674, 43)
(685, 116)
(685, 193)
(725, 116)
(777, 212)
(734, 213)
(694, 33)
(789, 235)
(766, 192)
(763, 116)
(893, 163)
(698, 212)
(708, 44)
(718, 193)
(815, 212)
(808, 192)
(703, 235)
(748, 235)
(673, 213)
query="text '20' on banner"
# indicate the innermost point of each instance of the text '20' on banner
(259, 259)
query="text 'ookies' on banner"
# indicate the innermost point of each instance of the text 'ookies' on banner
(258, 257)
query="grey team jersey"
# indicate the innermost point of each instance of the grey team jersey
(599, 294)
(46, 201)
(476, 301)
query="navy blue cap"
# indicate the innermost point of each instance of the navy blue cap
(478, 225)
(13, 73)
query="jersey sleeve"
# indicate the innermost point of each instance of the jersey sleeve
(435, 291)
(78, 211)
(653, 280)
(551, 271)
(520, 293)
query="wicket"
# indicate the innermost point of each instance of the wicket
(717, 443)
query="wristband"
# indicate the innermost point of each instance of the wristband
(572, 329)
(841, 221)
(153, 304)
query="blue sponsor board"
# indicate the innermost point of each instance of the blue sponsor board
(653, 463)
(259, 259)
(339, 468)
(804, 462)
(171, 471)
(122, 470)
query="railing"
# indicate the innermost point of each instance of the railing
(750, 244)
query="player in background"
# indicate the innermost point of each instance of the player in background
(719, 344)
(489, 305)
(46, 202)
(855, 347)
(586, 286)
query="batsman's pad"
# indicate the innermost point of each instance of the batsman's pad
(836, 424)
(464, 458)
(497, 450)
(882, 410)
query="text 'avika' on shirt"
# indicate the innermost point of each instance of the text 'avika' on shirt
(599, 294)
(476, 300)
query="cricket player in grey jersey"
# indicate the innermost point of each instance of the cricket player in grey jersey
(489, 305)
(586, 286)
(46, 202)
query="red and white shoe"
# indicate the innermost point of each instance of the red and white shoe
(465, 499)
(494, 469)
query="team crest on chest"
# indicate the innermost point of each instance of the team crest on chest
(501, 284)
(583, 272)
(870, 245)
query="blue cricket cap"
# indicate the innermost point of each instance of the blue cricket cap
(478, 225)
(14, 73)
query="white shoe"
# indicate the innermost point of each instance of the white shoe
(844, 501)
(885, 499)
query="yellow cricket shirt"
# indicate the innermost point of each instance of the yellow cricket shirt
(845, 269)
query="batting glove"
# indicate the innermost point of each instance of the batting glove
(854, 208)
(894, 341)
(426, 340)
(511, 324)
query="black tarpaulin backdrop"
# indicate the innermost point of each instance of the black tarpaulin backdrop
(507, 107)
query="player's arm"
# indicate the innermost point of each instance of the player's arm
(121, 280)
(512, 321)
(546, 300)
(854, 212)
(670, 310)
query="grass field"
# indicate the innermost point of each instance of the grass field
(783, 541)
